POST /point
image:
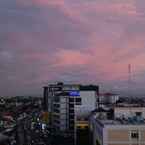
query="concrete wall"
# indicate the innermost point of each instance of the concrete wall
(88, 103)
(128, 111)
(121, 135)
(108, 99)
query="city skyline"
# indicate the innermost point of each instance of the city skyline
(91, 41)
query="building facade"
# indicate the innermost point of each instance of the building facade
(129, 111)
(106, 132)
(69, 103)
(108, 98)
(127, 127)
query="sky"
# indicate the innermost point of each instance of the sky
(82, 41)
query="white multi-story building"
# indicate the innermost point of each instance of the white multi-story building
(69, 103)
(88, 103)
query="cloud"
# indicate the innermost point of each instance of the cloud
(40, 3)
(71, 57)
(77, 41)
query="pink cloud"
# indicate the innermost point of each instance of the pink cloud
(40, 3)
(71, 57)
(90, 39)
(98, 58)
(89, 10)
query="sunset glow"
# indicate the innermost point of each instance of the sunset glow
(71, 40)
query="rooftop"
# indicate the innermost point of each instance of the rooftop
(80, 87)
(108, 94)
(89, 88)
(125, 105)
(120, 121)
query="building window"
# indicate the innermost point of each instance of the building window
(71, 111)
(71, 116)
(138, 114)
(71, 127)
(72, 122)
(78, 101)
(57, 121)
(86, 127)
(134, 134)
(57, 105)
(71, 105)
(56, 110)
(78, 127)
(71, 100)
(57, 99)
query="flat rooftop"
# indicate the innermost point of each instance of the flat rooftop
(129, 121)
(130, 105)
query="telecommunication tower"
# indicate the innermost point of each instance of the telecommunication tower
(129, 74)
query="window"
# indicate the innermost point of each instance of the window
(78, 127)
(57, 105)
(57, 121)
(78, 101)
(86, 127)
(71, 116)
(71, 127)
(71, 111)
(71, 99)
(138, 114)
(56, 110)
(71, 105)
(134, 134)
(72, 122)
(57, 99)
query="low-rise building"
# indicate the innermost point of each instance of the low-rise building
(115, 132)
(121, 125)
(129, 111)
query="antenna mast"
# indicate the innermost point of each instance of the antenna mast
(129, 74)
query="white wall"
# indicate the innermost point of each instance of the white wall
(88, 103)
(128, 111)
(108, 99)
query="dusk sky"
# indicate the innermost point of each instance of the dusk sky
(88, 41)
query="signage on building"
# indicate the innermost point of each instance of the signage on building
(74, 93)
